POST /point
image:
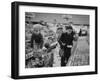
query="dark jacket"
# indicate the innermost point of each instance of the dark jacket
(38, 38)
(67, 39)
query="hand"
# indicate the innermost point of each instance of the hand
(63, 44)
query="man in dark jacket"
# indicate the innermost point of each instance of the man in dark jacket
(66, 42)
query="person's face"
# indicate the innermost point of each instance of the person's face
(49, 41)
(59, 31)
(37, 31)
(69, 31)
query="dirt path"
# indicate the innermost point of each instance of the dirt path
(81, 53)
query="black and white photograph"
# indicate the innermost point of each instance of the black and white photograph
(51, 40)
(56, 40)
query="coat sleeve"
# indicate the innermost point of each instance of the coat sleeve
(32, 39)
(41, 39)
(60, 41)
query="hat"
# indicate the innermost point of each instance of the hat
(68, 27)
(59, 28)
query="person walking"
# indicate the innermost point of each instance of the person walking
(66, 43)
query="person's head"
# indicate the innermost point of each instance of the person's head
(70, 23)
(50, 40)
(37, 28)
(59, 30)
(69, 29)
(36, 31)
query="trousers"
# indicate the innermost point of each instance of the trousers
(65, 56)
